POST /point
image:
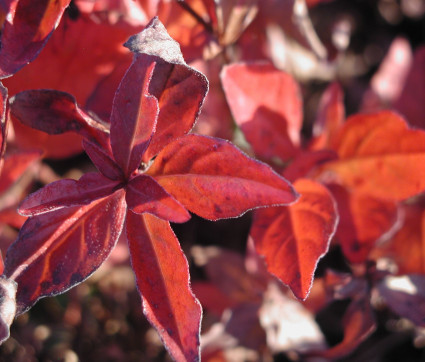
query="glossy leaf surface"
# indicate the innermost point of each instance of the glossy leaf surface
(213, 179)
(379, 155)
(292, 239)
(163, 281)
(60, 249)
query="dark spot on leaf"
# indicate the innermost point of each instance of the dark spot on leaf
(57, 275)
(218, 209)
(355, 247)
(170, 331)
(75, 278)
(45, 285)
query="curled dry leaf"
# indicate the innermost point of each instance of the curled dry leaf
(7, 306)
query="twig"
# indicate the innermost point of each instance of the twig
(199, 18)
(305, 26)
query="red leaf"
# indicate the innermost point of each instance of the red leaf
(266, 104)
(89, 47)
(379, 155)
(144, 194)
(180, 89)
(103, 160)
(9, 216)
(363, 220)
(66, 193)
(55, 112)
(134, 115)
(15, 164)
(305, 162)
(293, 239)
(213, 179)
(58, 250)
(215, 119)
(163, 281)
(28, 26)
(330, 117)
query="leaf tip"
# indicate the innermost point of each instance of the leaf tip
(154, 40)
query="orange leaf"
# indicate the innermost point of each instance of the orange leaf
(330, 116)
(363, 220)
(215, 180)
(380, 156)
(293, 239)
(407, 246)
